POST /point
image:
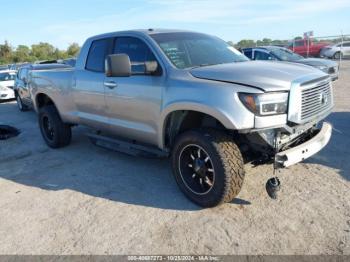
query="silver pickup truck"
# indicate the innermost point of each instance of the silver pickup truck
(190, 96)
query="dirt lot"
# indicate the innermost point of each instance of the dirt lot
(86, 200)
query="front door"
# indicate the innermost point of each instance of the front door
(133, 103)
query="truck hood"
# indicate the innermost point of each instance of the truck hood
(266, 75)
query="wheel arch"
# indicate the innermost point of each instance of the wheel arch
(41, 100)
(178, 118)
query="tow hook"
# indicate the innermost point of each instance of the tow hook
(273, 185)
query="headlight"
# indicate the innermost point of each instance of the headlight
(323, 68)
(265, 104)
(2, 88)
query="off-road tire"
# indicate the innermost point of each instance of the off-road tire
(62, 133)
(21, 107)
(227, 162)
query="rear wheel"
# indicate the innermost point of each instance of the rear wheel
(55, 133)
(338, 55)
(208, 167)
(22, 107)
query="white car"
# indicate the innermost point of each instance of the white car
(7, 81)
(336, 51)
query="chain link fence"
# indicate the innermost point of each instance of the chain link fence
(335, 47)
(307, 47)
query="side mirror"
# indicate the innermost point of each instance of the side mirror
(118, 65)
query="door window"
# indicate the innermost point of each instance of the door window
(24, 74)
(19, 74)
(248, 53)
(97, 55)
(6, 77)
(298, 43)
(137, 50)
(258, 55)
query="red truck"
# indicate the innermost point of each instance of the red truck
(307, 47)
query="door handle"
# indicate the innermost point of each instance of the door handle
(110, 84)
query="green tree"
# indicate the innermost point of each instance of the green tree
(246, 43)
(73, 50)
(5, 53)
(43, 51)
(279, 42)
(231, 43)
(22, 54)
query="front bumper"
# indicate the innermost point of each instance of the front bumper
(305, 150)
(334, 76)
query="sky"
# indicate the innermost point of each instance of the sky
(62, 22)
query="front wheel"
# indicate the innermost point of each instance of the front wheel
(208, 167)
(55, 133)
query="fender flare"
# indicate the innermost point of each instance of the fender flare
(35, 101)
(221, 116)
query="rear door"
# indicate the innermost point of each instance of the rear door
(89, 90)
(134, 102)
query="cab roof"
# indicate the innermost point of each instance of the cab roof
(45, 66)
(149, 31)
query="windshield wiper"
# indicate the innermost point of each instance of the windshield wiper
(204, 65)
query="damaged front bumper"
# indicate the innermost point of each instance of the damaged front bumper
(303, 151)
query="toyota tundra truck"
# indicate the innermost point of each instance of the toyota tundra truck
(189, 96)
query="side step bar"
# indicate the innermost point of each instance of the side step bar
(127, 147)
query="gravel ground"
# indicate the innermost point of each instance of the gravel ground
(87, 200)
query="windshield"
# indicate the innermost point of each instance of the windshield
(187, 50)
(6, 77)
(285, 54)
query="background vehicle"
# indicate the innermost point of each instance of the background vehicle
(7, 78)
(17, 66)
(21, 85)
(188, 95)
(4, 67)
(306, 47)
(69, 61)
(336, 51)
(284, 54)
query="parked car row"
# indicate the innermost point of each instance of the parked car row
(275, 53)
(306, 47)
(7, 79)
(311, 48)
(336, 51)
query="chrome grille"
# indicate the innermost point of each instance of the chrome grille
(315, 100)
